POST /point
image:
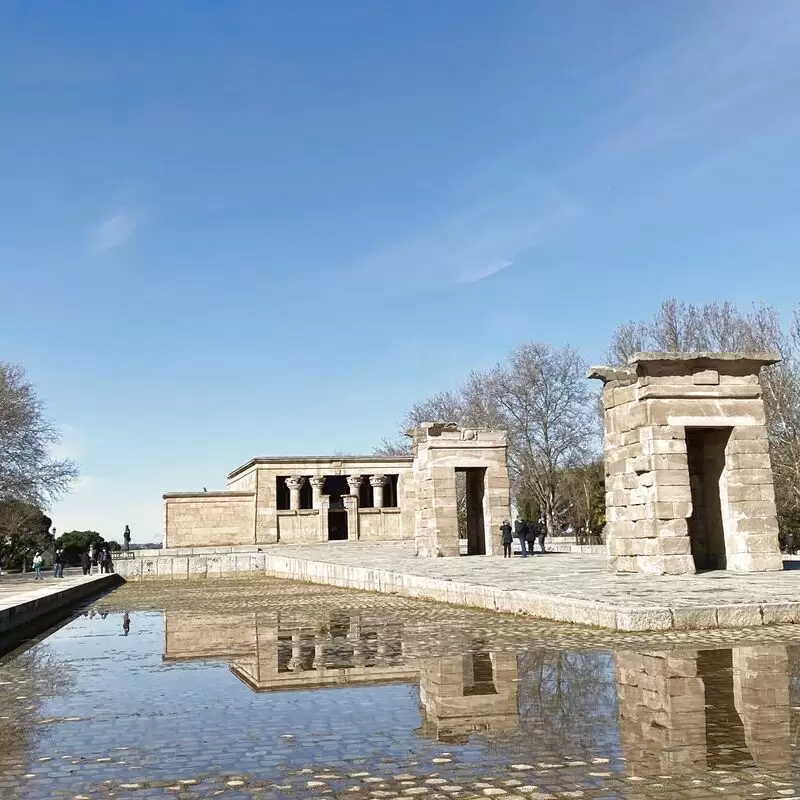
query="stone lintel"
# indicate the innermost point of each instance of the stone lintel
(688, 362)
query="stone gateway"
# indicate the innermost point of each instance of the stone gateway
(688, 476)
(367, 498)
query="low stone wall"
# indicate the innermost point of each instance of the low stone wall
(381, 524)
(38, 600)
(299, 527)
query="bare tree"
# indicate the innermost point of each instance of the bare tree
(548, 413)
(393, 447)
(441, 407)
(540, 396)
(28, 472)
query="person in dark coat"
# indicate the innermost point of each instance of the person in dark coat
(86, 563)
(519, 533)
(542, 533)
(508, 538)
(530, 535)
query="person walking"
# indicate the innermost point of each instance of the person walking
(507, 537)
(519, 533)
(109, 561)
(58, 563)
(37, 566)
(86, 563)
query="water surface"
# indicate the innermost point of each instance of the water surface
(268, 688)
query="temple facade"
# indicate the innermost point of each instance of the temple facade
(369, 498)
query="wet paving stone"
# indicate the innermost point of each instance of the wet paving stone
(271, 689)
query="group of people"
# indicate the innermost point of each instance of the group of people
(527, 532)
(93, 558)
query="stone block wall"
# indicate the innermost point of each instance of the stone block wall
(651, 409)
(208, 519)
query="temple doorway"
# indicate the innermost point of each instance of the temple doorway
(337, 525)
(705, 449)
(475, 479)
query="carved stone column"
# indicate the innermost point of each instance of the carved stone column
(295, 484)
(377, 482)
(354, 482)
(316, 482)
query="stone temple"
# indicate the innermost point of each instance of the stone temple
(689, 482)
(368, 498)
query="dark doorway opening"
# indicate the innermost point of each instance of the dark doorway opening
(705, 448)
(725, 737)
(337, 525)
(475, 478)
(478, 672)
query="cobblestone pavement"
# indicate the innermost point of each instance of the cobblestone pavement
(568, 575)
(196, 690)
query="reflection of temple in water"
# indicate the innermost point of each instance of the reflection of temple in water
(692, 709)
(704, 709)
(271, 651)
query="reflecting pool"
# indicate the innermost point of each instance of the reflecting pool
(266, 688)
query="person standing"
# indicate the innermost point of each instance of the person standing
(109, 562)
(530, 535)
(542, 533)
(37, 565)
(507, 537)
(86, 563)
(101, 557)
(519, 533)
(58, 563)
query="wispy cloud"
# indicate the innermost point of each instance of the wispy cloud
(113, 232)
(480, 273)
(491, 220)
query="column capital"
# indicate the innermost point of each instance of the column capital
(377, 481)
(354, 482)
(295, 482)
(316, 481)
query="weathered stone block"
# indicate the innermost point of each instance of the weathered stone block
(675, 545)
(739, 616)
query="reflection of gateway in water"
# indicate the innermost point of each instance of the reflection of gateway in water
(704, 709)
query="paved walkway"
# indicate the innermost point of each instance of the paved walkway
(561, 586)
(23, 599)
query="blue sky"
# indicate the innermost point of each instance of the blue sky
(246, 228)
